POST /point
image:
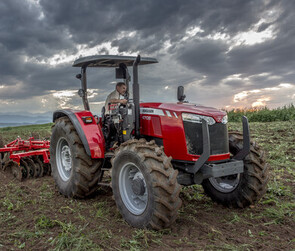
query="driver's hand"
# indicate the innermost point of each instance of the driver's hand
(123, 101)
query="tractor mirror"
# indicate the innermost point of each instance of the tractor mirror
(79, 76)
(180, 93)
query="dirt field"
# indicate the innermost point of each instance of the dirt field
(34, 216)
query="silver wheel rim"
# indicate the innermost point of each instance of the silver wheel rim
(225, 184)
(63, 159)
(136, 204)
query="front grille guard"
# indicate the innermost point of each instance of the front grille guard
(206, 146)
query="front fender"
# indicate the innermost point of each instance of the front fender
(90, 134)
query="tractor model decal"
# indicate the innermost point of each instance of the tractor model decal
(152, 111)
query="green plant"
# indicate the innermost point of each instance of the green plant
(281, 213)
(7, 204)
(285, 113)
(72, 238)
(44, 222)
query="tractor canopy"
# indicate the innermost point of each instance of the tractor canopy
(111, 61)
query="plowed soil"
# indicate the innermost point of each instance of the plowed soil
(34, 216)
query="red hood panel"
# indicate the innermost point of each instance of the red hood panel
(188, 107)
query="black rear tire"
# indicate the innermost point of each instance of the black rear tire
(75, 173)
(243, 189)
(145, 185)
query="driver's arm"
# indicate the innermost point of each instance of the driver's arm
(120, 101)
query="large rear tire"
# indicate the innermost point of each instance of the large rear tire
(243, 189)
(145, 185)
(75, 173)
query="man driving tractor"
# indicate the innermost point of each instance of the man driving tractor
(116, 97)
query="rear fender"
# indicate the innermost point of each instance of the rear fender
(90, 134)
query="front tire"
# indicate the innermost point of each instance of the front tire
(75, 173)
(240, 190)
(145, 185)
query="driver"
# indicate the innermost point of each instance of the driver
(117, 96)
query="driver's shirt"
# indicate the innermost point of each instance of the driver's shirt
(113, 95)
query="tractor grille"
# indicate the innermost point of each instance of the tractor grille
(194, 138)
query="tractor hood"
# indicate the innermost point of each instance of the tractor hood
(188, 108)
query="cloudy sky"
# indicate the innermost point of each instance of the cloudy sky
(227, 54)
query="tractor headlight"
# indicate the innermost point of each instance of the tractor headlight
(194, 118)
(224, 119)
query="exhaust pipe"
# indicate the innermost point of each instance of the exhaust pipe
(136, 96)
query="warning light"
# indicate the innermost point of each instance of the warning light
(87, 120)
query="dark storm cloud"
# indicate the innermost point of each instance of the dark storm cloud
(25, 32)
(207, 57)
(95, 21)
(147, 45)
(52, 27)
(275, 57)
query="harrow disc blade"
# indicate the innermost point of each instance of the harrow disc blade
(46, 171)
(48, 167)
(6, 166)
(25, 172)
(4, 161)
(34, 167)
(39, 165)
(30, 171)
(17, 171)
(39, 159)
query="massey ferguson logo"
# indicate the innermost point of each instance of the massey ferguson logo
(152, 111)
(147, 111)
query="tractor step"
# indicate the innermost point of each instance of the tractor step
(104, 184)
(109, 154)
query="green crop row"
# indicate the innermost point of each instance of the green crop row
(8, 134)
(285, 113)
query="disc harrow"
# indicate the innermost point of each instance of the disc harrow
(25, 158)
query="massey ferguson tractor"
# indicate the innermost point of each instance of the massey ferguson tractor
(151, 150)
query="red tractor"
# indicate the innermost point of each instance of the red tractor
(152, 149)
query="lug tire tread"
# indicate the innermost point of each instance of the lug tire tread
(87, 171)
(253, 182)
(164, 181)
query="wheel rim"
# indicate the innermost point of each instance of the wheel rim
(133, 189)
(63, 159)
(225, 184)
